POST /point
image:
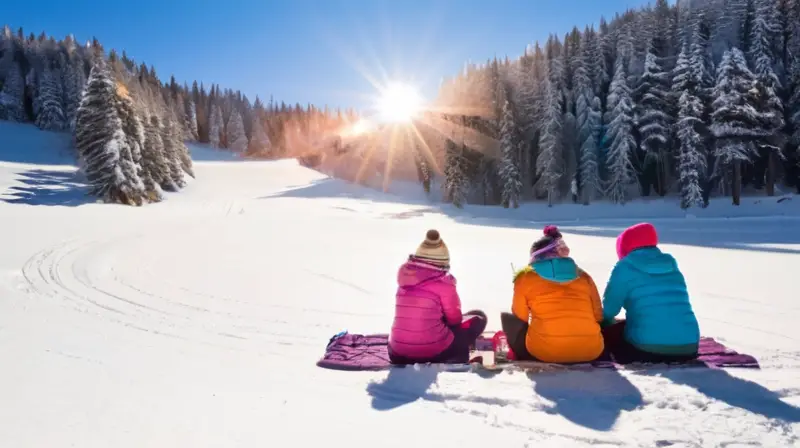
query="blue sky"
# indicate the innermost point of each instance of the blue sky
(311, 51)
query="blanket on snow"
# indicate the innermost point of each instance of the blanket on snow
(348, 351)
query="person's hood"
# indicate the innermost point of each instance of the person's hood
(651, 260)
(412, 273)
(559, 270)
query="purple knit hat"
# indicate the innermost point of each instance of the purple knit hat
(546, 244)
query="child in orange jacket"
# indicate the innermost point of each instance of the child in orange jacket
(556, 308)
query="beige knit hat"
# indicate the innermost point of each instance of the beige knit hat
(433, 250)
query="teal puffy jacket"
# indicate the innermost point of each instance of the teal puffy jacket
(651, 288)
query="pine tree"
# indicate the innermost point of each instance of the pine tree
(184, 156)
(173, 147)
(509, 172)
(692, 163)
(12, 106)
(74, 82)
(216, 126)
(689, 85)
(102, 144)
(588, 120)
(619, 121)
(456, 181)
(653, 117)
(51, 115)
(596, 61)
(794, 104)
(259, 142)
(237, 139)
(792, 54)
(421, 162)
(134, 131)
(570, 153)
(762, 37)
(701, 62)
(549, 163)
(190, 113)
(682, 75)
(734, 119)
(155, 155)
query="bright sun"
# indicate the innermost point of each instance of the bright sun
(399, 103)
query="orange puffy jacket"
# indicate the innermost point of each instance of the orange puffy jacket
(561, 303)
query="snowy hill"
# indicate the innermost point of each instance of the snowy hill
(197, 321)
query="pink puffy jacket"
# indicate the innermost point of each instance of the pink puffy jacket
(426, 304)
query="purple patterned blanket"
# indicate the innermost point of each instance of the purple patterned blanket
(370, 352)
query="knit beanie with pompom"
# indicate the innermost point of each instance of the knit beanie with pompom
(433, 250)
(547, 244)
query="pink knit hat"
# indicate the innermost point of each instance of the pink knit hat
(636, 237)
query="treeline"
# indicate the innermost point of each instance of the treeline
(130, 126)
(698, 98)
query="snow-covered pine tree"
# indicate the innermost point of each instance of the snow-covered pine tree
(688, 85)
(767, 22)
(588, 120)
(488, 179)
(510, 177)
(135, 135)
(173, 147)
(570, 153)
(619, 133)
(102, 144)
(74, 83)
(12, 102)
(682, 75)
(734, 119)
(155, 155)
(456, 182)
(7, 50)
(794, 104)
(420, 161)
(730, 28)
(550, 161)
(793, 81)
(692, 161)
(216, 126)
(190, 114)
(237, 139)
(762, 37)
(51, 114)
(595, 61)
(187, 165)
(701, 62)
(653, 117)
(151, 170)
(259, 142)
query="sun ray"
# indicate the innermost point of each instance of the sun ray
(387, 171)
(429, 152)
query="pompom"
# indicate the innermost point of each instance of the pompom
(552, 231)
(432, 235)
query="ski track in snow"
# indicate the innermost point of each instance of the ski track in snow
(197, 322)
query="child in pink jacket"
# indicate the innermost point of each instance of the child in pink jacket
(428, 324)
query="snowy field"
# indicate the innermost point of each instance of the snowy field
(196, 322)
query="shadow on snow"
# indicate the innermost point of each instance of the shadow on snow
(736, 392)
(49, 188)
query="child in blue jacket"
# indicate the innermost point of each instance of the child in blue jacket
(660, 325)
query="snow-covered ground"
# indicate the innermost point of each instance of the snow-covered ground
(196, 322)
